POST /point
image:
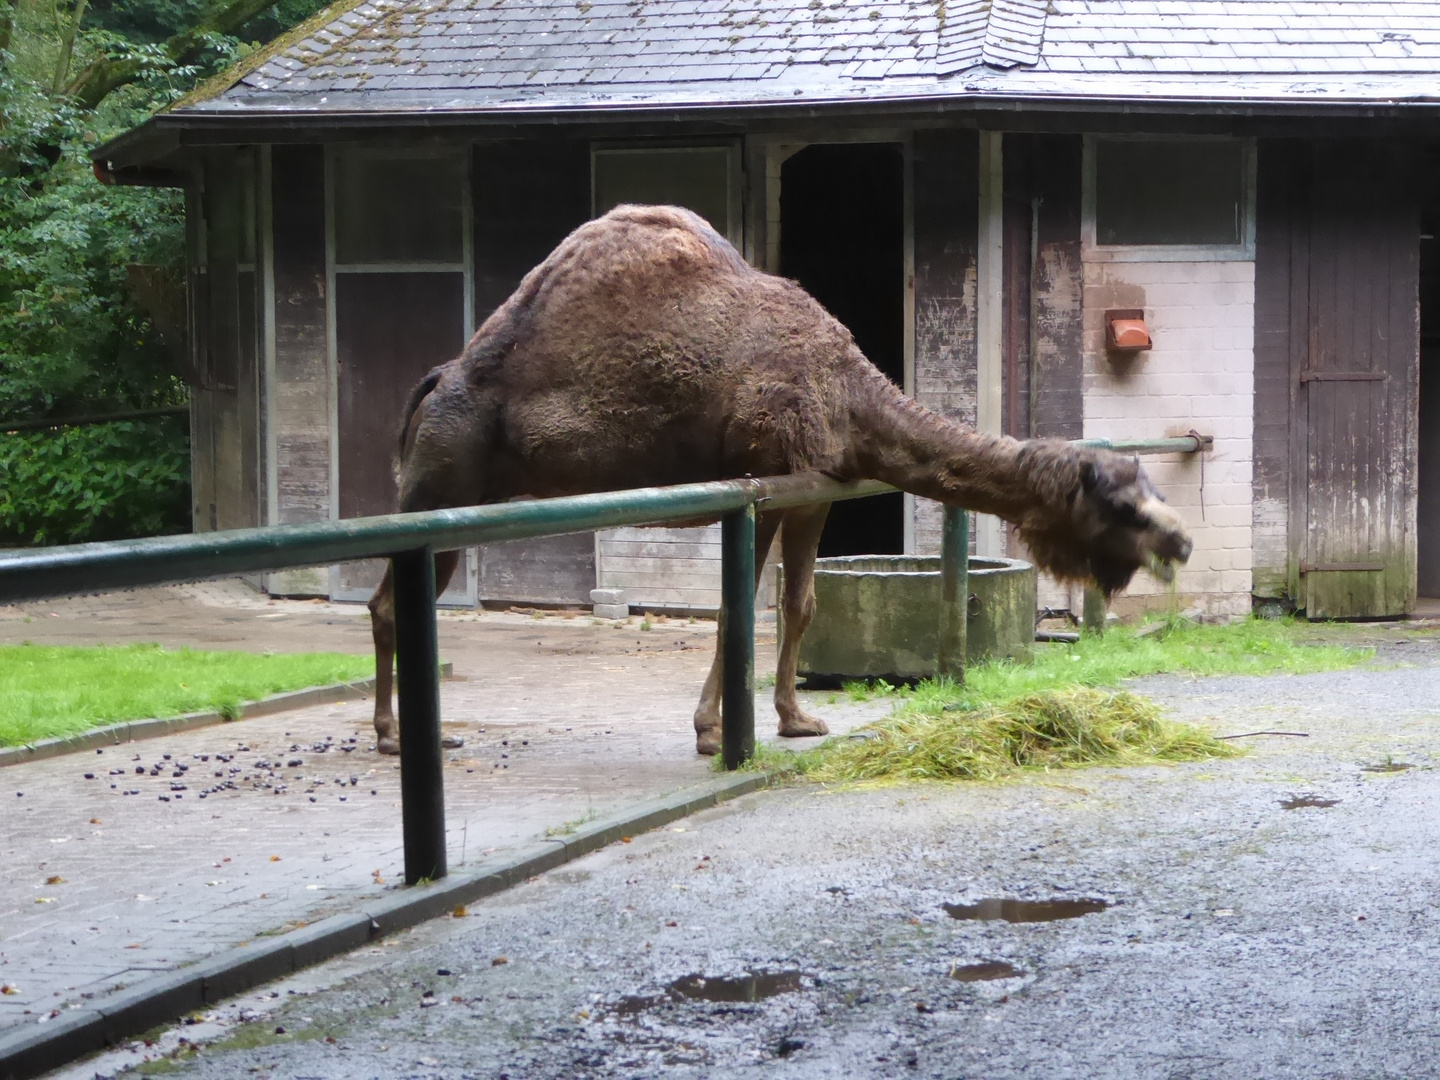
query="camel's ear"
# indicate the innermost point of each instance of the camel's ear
(1089, 476)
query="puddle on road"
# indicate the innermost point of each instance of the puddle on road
(1387, 766)
(985, 971)
(1299, 802)
(1018, 911)
(733, 988)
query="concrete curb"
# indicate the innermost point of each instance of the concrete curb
(132, 730)
(37, 1048)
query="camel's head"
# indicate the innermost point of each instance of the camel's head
(1114, 524)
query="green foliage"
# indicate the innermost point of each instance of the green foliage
(72, 340)
(50, 691)
(102, 482)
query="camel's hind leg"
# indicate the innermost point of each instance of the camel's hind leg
(799, 542)
(707, 713)
(382, 628)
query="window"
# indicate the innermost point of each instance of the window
(1169, 198)
(398, 206)
(698, 178)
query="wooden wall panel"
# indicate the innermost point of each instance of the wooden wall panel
(1279, 213)
(302, 376)
(1044, 278)
(946, 224)
(1356, 395)
(528, 197)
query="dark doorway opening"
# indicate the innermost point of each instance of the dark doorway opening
(842, 237)
(1428, 497)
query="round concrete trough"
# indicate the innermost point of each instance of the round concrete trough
(878, 616)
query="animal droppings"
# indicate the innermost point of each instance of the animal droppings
(1025, 911)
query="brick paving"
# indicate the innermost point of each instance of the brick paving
(563, 717)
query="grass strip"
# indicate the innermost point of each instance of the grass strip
(54, 691)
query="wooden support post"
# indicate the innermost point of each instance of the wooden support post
(737, 636)
(954, 593)
(417, 661)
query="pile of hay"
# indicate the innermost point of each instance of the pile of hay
(1050, 729)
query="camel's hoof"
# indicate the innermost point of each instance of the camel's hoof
(803, 726)
(707, 742)
(388, 744)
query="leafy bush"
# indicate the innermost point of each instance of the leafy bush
(101, 482)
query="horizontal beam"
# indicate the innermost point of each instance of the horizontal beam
(1178, 444)
(43, 422)
(35, 573)
(31, 574)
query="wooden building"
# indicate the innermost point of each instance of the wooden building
(969, 186)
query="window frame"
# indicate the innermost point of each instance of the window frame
(734, 181)
(1093, 251)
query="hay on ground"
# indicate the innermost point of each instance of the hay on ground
(1049, 729)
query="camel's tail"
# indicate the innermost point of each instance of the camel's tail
(417, 395)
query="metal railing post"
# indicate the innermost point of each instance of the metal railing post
(737, 636)
(1093, 612)
(954, 593)
(417, 662)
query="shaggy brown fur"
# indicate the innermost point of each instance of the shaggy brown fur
(645, 351)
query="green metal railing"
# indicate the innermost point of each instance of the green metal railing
(410, 541)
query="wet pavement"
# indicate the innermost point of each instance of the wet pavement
(1210, 931)
(156, 854)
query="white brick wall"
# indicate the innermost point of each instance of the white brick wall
(1200, 374)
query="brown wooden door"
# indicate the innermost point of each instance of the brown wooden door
(1356, 382)
(390, 329)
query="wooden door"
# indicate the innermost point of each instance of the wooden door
(1355, 276)
(390, 329)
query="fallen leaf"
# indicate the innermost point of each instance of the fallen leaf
(625, 839)
(499, 960)
(460, 912)
(44, 899)
(274, 858)
(7, 988)
(96, 821)
(54, 879)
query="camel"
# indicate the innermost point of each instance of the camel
(645, 351)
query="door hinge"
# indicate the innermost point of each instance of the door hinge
(1344, 376)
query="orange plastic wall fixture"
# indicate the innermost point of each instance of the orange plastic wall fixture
(1125, 330)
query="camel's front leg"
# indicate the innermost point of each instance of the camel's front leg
(707, 713)
(798, 545)
(382, 628)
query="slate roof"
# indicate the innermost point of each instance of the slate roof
(518, 55)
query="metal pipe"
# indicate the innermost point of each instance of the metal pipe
(1177, 444)
(737, 636)
(417, 658)
(41, 423)
(120, 564)
(954, 593)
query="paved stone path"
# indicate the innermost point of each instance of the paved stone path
(133, 869)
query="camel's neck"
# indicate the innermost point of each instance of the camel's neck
(905, 444)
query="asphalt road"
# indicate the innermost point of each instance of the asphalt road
(1237, 938)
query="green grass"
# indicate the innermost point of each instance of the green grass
(1054, 712)
(1250, 647)
(50, 691)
